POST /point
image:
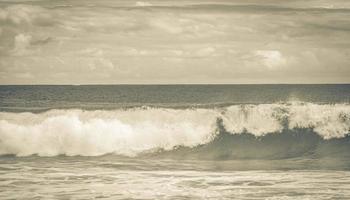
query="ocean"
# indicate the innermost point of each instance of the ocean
(175, 142)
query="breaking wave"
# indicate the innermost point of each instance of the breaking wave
(237, 131)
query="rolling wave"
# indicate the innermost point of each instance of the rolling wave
(237, 131)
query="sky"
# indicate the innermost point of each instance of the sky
(174, 42)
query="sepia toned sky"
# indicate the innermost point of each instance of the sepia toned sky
(169, 42)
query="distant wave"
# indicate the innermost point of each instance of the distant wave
(237, 131)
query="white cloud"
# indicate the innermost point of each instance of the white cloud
(22, 42)
(273, 59)
(94, 52)
(143, 3)
(169, 25)
(177, 52)
(207, 51)
(25, 14)
(96, 59)
(24, 75)
(23, 27)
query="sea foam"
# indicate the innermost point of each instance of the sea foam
(130, 132)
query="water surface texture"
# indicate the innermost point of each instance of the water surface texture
(175, 142)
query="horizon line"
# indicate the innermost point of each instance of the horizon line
(154, 84)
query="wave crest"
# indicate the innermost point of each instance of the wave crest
(139, 130)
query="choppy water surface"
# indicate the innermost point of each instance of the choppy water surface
(175, 142)
(105, 178)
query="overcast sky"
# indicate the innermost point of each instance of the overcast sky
(152, 42)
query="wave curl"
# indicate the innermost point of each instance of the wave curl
(131, 132)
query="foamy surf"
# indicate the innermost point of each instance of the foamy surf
(130, 132)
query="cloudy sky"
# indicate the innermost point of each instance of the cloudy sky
(195, 41)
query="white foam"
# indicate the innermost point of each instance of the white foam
(76, 132)
(130, 132)
(329, 121)
(258, 120)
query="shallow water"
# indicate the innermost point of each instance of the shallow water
(107, 178)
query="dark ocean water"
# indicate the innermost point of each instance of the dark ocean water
(175, 142)
(33, 98)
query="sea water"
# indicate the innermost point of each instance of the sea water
(175, 142)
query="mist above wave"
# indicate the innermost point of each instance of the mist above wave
(134, 131)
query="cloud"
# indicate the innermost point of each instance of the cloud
(96, 59)
(25, 15)
(23, 27)
(169, 25)
(22, 42)
(273, 59)
(179, 41)
(143, 3)
(207, 51)
(100, 64)
(24, 75)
